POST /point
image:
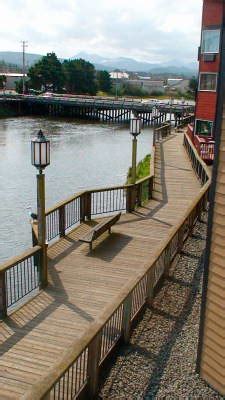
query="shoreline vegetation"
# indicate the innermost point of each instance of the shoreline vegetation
(6, 113)
(143, 169)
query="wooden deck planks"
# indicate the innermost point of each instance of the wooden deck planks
(82, 284)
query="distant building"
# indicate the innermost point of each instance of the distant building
(119, 75)
(148, 85)
(11, 79)
(182, 85)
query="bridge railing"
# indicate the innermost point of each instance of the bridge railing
(78, 371)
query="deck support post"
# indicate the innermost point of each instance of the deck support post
(94, 353)
(3, 304)
(127, 307)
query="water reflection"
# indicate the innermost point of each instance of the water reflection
(83, 155)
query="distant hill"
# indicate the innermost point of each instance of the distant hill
(14, 57)
(110, 64)
(130, 64)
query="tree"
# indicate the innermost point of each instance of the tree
(47, 72)
(79, 77)
(2, 81)
(19, 86)
(104, 81)
(193, 84)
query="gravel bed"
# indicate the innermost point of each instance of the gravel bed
(160, 360)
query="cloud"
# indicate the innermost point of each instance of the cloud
(150, 30)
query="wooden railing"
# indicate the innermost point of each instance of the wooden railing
(19, 277)
(97, 202)
(78, 372)
(198, 164)
(162, 131)
(185, 121)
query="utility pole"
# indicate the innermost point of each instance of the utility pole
(24, 45)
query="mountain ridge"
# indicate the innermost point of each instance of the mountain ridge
(109, 64)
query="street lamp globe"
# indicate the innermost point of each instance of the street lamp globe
(40, 151)
(135, 126)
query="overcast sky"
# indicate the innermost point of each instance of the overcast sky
(148, 30)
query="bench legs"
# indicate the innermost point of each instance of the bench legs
(90, 246)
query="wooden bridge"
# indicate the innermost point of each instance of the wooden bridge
(109, 109)
(54, 346)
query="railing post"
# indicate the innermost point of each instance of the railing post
(3, 304)
(94, 353)
(82, 207)
(88, 205)
(180, 238)
(85, 206)
(131, 198)
(150, 286)
(127, 307)
(139, 194)
(150, 188)
(62, 221)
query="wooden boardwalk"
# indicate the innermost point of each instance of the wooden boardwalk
(82, 284)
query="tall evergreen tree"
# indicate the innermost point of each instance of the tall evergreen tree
(104, 81)
(47, 72)
(79, 77)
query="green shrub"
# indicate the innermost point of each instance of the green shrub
(143, 169)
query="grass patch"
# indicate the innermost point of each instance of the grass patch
(143, 169)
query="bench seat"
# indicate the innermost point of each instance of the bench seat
(99, 229)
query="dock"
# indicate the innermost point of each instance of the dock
(53, 346)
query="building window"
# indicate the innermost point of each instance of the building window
(210, 41)
(203, 128)
(208, 81)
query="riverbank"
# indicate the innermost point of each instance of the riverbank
(7, 113)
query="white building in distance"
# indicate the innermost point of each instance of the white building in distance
(11, 79)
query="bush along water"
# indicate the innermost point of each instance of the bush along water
(143, 169)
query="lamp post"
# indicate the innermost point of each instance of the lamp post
(135, 130)
(40, 158)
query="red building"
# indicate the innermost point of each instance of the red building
(202, 132)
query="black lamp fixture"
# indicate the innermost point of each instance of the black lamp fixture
(40, 151)
(135, 126)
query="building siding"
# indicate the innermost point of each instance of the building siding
(212, 12)
(213, 351)
(206, 106)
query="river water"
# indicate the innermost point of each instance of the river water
(83, 155)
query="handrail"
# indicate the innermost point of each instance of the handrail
(64, 202)
(97, 201)
(204, 165)
(165, 254)
(20, 258)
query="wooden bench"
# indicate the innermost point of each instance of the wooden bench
(99, 229)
